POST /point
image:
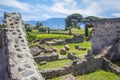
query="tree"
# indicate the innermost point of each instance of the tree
(73, 20)
(42, 29)
(28, 27)
(38, 24)
(1, 25)
(86, 30)
(89, 19)
(48, 30)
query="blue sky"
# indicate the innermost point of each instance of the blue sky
(44, 9)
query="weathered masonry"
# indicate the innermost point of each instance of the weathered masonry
(106, 33)
(18, 62)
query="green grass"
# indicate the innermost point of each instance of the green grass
(41, 36)
(77, 31)
(35, 31)
(55, 64)
(33, 36)
(97, 75)
(58, 36)
(79, 53)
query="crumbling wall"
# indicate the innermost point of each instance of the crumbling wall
(85, 65)
(105, 33)
(20, 64)
(49, 57)
(1, 37)
(77, 67)
(55, 72)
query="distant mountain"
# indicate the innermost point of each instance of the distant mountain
(32, 22)
(52, 23)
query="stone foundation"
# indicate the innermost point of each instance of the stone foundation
(55, 72)
(84, 66)
(78, 67)
(50, 57)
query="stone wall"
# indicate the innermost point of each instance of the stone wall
(75, 39)
(72, 56)
(4, 71)
(42, 41)
(1, 37)
(86, 65)
(77, 67)
(105, 33)
(20, 64)
(55, 72)
(50, 57)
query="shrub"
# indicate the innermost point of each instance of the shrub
(42, 29)
(31, 37)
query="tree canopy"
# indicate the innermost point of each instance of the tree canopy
(73, 20)
(28, 27)
(89, 19)
(38, 24)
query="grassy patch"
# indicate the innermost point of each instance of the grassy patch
(97, 75)
(77, 31)
(35, 31)
(55, 64)
(58, 36)
(41, 36)
(79, 53)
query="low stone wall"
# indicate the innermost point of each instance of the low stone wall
(55, 72)
(42, 41)
(78, 67)
(75, 39)
(51, 57)
(84, 65)
(72, 56)
(56, 42)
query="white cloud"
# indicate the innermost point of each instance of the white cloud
(87, 1)
(16, 4)
(63, 8)
(110, 4)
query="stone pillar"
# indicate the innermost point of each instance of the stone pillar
(21, 64)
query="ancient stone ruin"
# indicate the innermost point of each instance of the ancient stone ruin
(107, 33)
(17, 61)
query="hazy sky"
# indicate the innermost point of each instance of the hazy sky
(44, 9)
